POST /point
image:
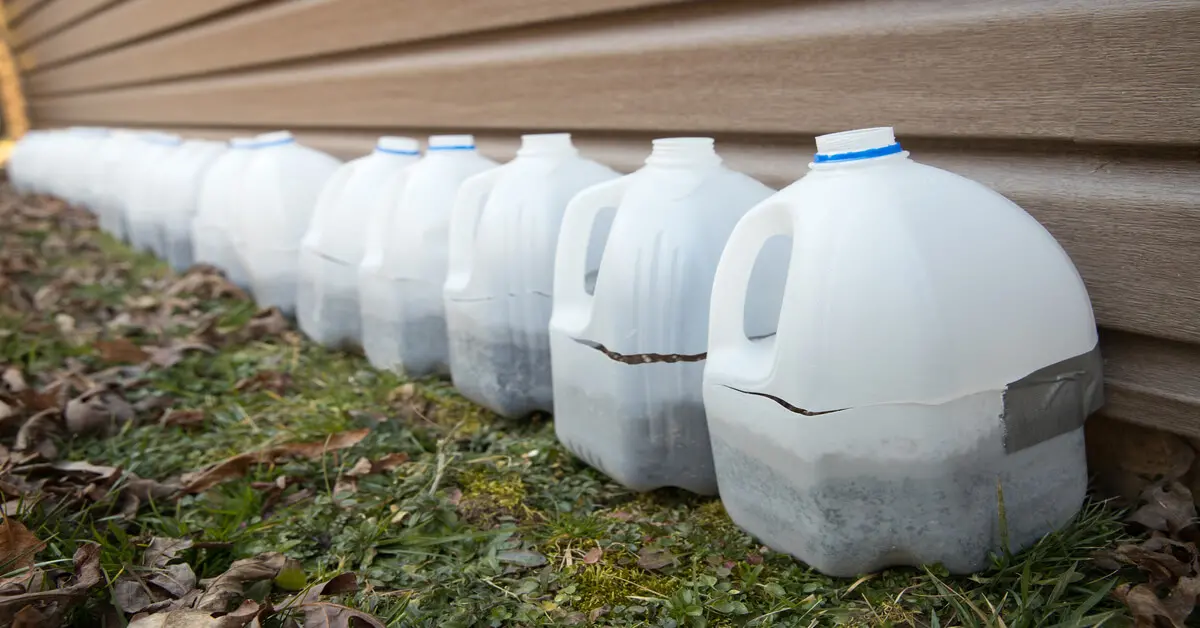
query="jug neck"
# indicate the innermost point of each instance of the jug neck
(443, 145)
(391, 145)
(547, 145)
(275, 138)
(860, 146)
(683, 152)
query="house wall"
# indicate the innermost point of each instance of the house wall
(1085, 113)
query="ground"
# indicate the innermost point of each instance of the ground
(213, 433)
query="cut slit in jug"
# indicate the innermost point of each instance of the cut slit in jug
(628, 356)
(503, 235)
(404, 267)
(278, 193)
(327, 303)
(936, 349)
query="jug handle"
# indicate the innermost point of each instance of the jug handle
(579, 219)
(726, 331)
(464, 223)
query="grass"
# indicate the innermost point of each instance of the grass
(489, 522)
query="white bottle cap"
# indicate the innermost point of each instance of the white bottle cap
(274, 138)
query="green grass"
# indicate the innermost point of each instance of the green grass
(456, 536)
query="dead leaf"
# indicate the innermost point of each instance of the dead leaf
(30, 617)
(1168, 508)
(266, 323)
(14, 380)
(242, 616)
(17, 546)
(183, 418)
(97, 411)
(237, 466)
(206, 282)
(54, 602)
(339, 584)
(329, 615)
(1147, 608)
(593, 556)
(35, 439)
(273, 381)
(654, 559)
(169, 356)
(387, 463)
(162, 550)
(121, 351)
(229, 586)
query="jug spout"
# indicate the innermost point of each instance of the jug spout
(546, 144)
(683, 152)
(856, 146)
(451, 142)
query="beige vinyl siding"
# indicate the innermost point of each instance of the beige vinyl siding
(1085, 113)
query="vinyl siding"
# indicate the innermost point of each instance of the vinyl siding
(1085, 113)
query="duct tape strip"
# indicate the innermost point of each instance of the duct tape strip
(1052, 401)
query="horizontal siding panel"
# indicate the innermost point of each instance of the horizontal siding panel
(18, 10)
(298, 30)
(1152, 382)
(55, 15)
(994, 69)
(1132, 225)
(122, 23)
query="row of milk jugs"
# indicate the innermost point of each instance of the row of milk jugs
(870, 365)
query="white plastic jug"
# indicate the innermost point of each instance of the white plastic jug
(327, 306)
(404, 268)
(144, 189)
(628, 356)
(183, 174)
(106, 181)
(76, 163)
(272, 209)
(213, 225)
(498, 292)
(935, 351)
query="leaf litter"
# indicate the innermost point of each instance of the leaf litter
(101, 345)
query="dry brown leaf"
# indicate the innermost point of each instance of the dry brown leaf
(205, 282)
(273, 381)
(54, 602)
(1168, 508)
(204, 479)
(387, 463)
(339, 584)
(30, 617)
(1147, 608)
(330, 615)
(229, 586)
(17, 546)
(183, 418)
(14, 380)
(264, 324)
(121, 351)
(593, 556)
(169, 356)
(240, 617)
(100, 410)
(654, 559)
(35, 439)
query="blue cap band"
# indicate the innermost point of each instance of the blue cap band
(858, 154)
(281, 142)
(392, 151)
(461, 147)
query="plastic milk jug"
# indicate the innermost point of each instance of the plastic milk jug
(275, 202)
(503, 236)
(105, 189)
(213, 225)
(628, 354)
(936, 353)
(182, 176)
(327, 306)
(404, 269)
(144, 188)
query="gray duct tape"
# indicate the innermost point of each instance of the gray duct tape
(1052, 400)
